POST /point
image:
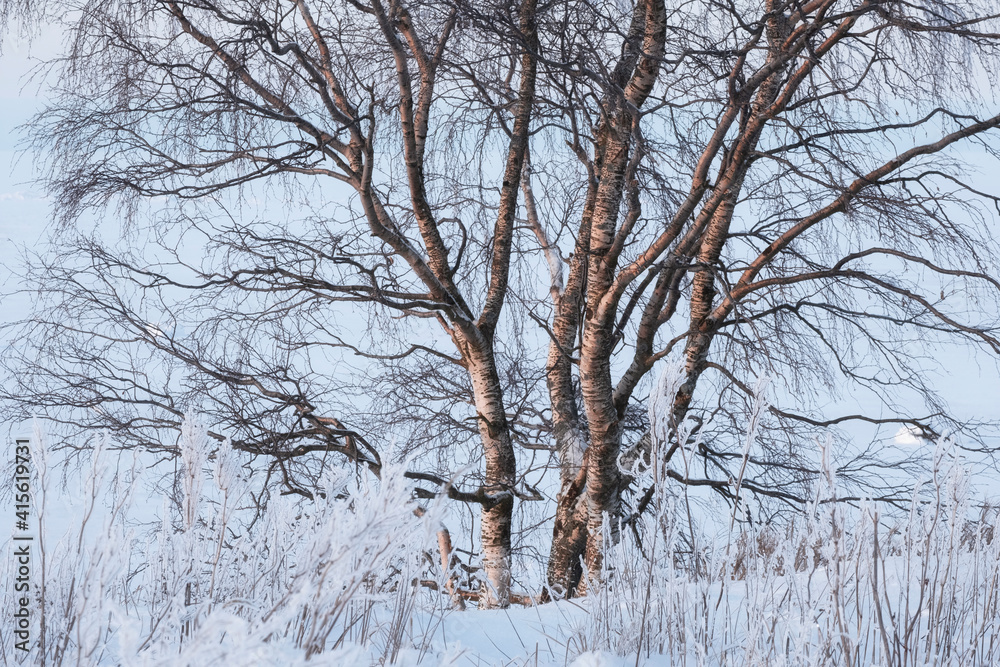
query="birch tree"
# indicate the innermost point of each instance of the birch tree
(184, 101)
(756, 194)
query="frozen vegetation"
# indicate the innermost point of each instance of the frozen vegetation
(201, 575)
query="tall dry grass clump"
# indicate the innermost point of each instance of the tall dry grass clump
(214, 580)
(841, 584)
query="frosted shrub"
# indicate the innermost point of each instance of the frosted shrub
(841, 585)
(330, 580)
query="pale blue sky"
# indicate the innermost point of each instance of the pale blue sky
(971, 383)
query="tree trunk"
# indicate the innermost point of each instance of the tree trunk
(569, 533)
(603, 477)
(569, 539)
(635, 73)
(500, 478)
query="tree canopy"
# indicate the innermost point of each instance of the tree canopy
(467, 233)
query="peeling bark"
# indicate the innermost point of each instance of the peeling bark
(500, 478)
(603, 416)
(569, 540)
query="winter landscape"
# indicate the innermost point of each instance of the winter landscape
(500, 332)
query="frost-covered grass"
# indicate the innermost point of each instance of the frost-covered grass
(841, 585)
(197, 576)
(213, 581)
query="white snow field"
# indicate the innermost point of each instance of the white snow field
(133, 571)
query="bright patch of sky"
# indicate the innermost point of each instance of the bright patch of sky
(908, 436)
